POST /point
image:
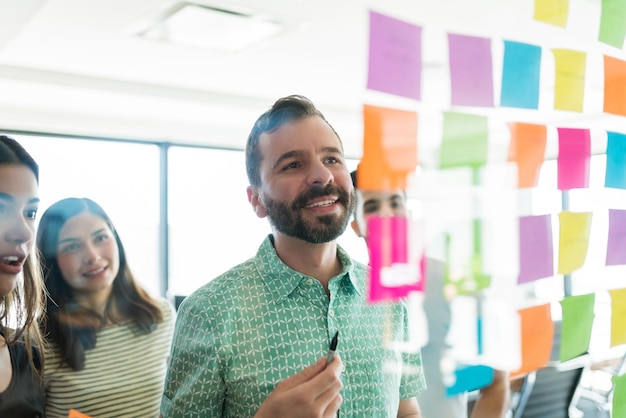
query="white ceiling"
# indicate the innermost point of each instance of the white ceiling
(78, 66)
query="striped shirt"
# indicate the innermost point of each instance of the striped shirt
(238, 336)
(123, 374)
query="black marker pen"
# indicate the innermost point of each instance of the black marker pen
(331, 350)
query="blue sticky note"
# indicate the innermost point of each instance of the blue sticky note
(615, 175)
(470, 377)
(520, 75)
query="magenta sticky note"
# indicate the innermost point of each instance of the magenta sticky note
(535, 247)
(574, 158)
(616, 245)
(471, 73)
(395, 57)
(392, 273)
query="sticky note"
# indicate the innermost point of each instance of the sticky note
(464, 142)
(616, 243)
(613, 23)
(537, 336)
(75, 414)
(577, 322)
(619, 396)
(615, 175)
(520, 75)
(573, 240)
(574, 158)
(618, 316)
(536, 249)
(527, 148)
(569, 85)
(389, 148)
(395, 57)
(553, 12)
(470, 377)
(392, 274)
(614, 86)
(471, 72)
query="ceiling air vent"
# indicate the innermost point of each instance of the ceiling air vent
(217, 28)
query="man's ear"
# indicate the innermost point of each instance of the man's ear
(255, 200)
(355, 227)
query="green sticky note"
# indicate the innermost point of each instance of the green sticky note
(613, 23)
(464, 141)
(576, 326)
(619, 396)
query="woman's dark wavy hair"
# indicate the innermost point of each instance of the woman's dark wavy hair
(128, 300)
(25, 304)
(286, 109)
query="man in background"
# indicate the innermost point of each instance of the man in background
(493, 400)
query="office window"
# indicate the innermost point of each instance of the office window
(122, 177)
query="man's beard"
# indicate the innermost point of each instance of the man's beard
(288, 218)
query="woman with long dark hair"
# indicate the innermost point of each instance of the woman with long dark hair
(109, 338)
(21, 287)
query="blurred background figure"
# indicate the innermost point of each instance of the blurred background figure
(493, 400)
(109, 338)
(21, 288)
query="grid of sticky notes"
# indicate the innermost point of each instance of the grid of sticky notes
(391, 147)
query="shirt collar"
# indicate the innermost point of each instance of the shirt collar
(281, 280)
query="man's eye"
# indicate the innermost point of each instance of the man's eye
(31, 214)
(291, 165)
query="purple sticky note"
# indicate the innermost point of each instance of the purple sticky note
(471, 73)
(391, 274)
(616, 246)
(536, 253)
(573, 159)
(395, 57)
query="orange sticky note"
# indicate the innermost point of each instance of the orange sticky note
(389, 148)
(618, 316)
(527, 149)
(569, 86)
(537, 332)
(75, 414)
(614, 86)
(553, 12)
(573, 240)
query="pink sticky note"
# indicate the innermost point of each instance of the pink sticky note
(616, 246)
(471, 73)
(536, 253)
(573, 159)
(392, 274)
(395, 57)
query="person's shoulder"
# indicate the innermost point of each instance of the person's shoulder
(166, 308)
(227, 285)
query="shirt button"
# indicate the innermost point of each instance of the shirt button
(309, 281)
(332, 313)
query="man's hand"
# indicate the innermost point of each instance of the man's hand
(311, 393)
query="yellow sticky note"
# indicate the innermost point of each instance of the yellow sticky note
(618, 316)
(553, 12)
(573, 240)
(569, 85)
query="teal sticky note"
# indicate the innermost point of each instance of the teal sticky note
(576, 326)
(520, 75)
(465, 139)
(468, 378)
(615, 175)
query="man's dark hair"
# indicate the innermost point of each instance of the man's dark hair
(284, 110)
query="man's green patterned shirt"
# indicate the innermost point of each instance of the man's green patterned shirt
(242, 333)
